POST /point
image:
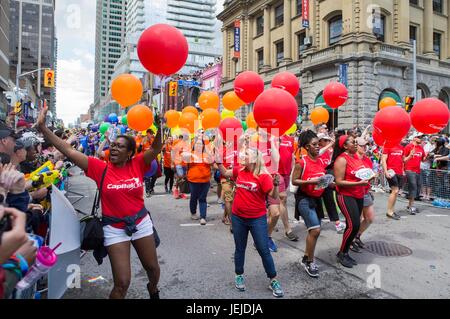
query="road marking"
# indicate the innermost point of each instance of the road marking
(436, 215)
(190, 225)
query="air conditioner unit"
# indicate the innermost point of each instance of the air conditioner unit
(307, 41)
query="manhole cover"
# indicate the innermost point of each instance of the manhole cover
(387, 249)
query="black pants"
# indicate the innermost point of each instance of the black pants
(330, 205)
(150, 183)
(169, 174)
(351, 208)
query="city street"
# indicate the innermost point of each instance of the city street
(197, 261)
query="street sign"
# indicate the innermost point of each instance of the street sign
(343, 74)
(17, 107)
(49, 79)
(189, 83)
(173, 88)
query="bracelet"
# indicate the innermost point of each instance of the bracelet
(13, 266)
(22, 263)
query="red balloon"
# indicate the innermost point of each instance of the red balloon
(162, 49)
(393, 123)
(231, 129)
(335, 94)
(286, 81)
(275, 109)
(248, 86)
(430, 116)
(380, 141)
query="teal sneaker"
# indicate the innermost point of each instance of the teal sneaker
(277, 291)
(239, 282)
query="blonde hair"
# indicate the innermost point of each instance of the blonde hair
(260, 166)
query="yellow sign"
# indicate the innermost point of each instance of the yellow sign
(173, 88)
(17, 108)
(49, 79)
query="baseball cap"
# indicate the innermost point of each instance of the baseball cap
(6, 131)
(323, 136)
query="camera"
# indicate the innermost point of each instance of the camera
(5, 224)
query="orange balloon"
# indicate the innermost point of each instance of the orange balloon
(209, 100)
(187, 121)
(172, 117)
(140, 118)
(251, 123)
(386, 102)
(210, 118)
(232, 102)
(190, 109)
(126, 89)
(319, 115)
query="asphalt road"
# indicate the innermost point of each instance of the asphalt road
(197, 261)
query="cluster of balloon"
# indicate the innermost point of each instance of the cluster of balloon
(319, 115)
(210, 118)
(288, 82)
(390, 125)
(231, 129)
(124, 120)
(387, 102)
(104, 127)
(112, 118)
(190, 109)
(250, 120)
(162, 49)
(127, 90)
(275, 110)
(172, 118)
(430, 116)
(335, 94)
(248, 86)
(140, 118)
(187, 121)
(226, 114)
(209, 100)
(232, 102)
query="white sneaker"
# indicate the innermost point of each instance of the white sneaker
(203, 221)
(340, 228)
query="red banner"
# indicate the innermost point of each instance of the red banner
(305, 13)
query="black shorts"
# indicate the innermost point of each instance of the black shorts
(396, 181)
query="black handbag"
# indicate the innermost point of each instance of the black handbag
(92, 236)
(184, 186)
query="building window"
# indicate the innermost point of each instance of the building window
(260, 58)
(335, 29)
(412, 33)
(437, 6)
(299, 7)
(279, 15)
(437, 44)
(259, 25)
(414, 2)
(379, 27)
(280, 52)
(301, 43)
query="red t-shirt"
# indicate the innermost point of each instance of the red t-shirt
(414, 163)
(123, 188)
(367, 163)
(394, 159)
(354, 164)
(286, 153)
(314, 169)
(325, 158)
(251, 193)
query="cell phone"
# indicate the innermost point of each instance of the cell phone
(5, 224)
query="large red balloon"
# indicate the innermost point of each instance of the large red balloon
(162, 49)
(430, 116)
(380, 141)
(248, 86)
(286, 81)
(392, 123)
(275, 109)
(335, 94)
(231, 129)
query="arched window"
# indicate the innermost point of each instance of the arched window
(423, 91)
(334, 29)
(392, 94)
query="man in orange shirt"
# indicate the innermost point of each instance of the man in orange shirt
(168, 164)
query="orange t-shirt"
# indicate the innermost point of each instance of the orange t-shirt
(199, 173)
(168, 156)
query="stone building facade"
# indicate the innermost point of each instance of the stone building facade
(371, 40)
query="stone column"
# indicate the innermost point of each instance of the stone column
(226, 55)
(403, 22)
(248, 44)
(267, 43)
(287, 31)
(428, 28)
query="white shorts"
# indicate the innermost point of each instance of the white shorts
(115, 235)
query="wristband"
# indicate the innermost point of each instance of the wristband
(23, 264)
(13, 265)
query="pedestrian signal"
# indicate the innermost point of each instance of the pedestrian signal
(409, 103)
(49, 79)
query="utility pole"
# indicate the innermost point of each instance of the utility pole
(414, 93)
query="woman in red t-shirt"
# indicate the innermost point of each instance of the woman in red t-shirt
(306, 175)
(122, 197)
(350, 192)
(253, 185)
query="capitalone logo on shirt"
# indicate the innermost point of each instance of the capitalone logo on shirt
(128, 184)
(250, 186)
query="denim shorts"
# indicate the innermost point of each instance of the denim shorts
(181, 170)
(368, 200)
(308, 214)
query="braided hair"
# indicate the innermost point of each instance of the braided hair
(305, 138)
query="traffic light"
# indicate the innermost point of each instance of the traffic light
(409, 103)
(173, 88)
(49, 79)
(18, 107)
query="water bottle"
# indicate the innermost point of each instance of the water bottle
(45, 260)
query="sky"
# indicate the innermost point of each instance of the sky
(75, 30)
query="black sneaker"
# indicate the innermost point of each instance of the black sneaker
(355, 248)
(310, 267)
(393, 216)
(291, 236)
(351, 259)
(155, 295)
(411, 210)
(359, 243)
(341, 257)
